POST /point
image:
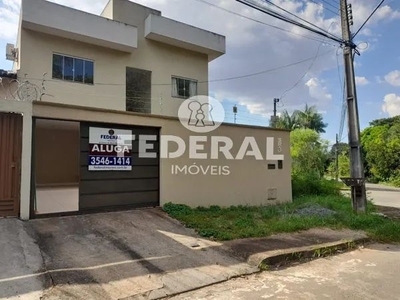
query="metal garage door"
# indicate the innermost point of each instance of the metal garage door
(135, 186)
(10, 163)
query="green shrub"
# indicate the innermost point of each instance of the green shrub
(311, 184)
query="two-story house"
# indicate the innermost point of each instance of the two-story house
(84, 82)
(128, 58)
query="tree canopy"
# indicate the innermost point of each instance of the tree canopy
(381, 147)
(309, 118)
(309, 152)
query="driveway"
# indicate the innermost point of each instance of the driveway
(137, 254)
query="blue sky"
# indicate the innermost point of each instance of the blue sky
(253, 48)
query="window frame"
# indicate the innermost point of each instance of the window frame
(84, 60)
(185, 79)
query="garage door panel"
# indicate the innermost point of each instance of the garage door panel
(118, 186)
(138, 187)
(139, 199)
(137, 172)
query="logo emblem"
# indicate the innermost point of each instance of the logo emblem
(201, 114)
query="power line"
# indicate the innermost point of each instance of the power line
(306, 72)
(260, 22)
(304, 75)
(331, 5)
(324, 7)
(287, 20)
(294, 15)
(271, 70)
(366, 21)
(213, 80)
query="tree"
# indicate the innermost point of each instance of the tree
(310, 118)
(344, 166)
(287, 121)
(309, 152)
(307, 119)
(387, 121)
(381, 148)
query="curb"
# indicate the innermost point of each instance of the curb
(267, 261)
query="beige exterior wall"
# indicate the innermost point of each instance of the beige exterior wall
(24, 108)
(109, 89)
(249, 183)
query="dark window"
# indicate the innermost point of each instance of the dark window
(68, 68)
(89, 72)
(183, 88)
(73, 69)
(138, 90)
(58, 62)
(78, 70)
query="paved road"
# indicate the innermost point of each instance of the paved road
(383, 195)
(369, 273)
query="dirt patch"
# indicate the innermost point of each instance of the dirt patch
(391, 212)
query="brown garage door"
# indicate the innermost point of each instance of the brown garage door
(10, 163)
(105, 189)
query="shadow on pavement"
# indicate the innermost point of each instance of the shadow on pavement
(109, 256)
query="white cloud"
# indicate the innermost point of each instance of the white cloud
(391, 105)
(361, 80)
(393, 78)
(317, 90)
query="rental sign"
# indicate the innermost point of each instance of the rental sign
(108, 151)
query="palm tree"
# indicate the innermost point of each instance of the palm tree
(287, 121)
(310, 118)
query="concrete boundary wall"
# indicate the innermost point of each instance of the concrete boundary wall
(249, 182)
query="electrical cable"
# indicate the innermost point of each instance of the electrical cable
(300, 18)
(331, 5)
(287, 20)
(212, 80)
(308, 69)
(370, 16)
(261, 22)
(324, 7)
(344, 112)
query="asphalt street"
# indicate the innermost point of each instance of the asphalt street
(383, 195)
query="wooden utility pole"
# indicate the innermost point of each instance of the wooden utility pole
(337, 157)
(357, 180)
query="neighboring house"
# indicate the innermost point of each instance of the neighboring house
(128, 58)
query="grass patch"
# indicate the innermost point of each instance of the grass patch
(245, 222)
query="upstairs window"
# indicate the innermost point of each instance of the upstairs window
(73, 69)
(183, 88)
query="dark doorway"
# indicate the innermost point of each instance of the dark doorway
(10, 163)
